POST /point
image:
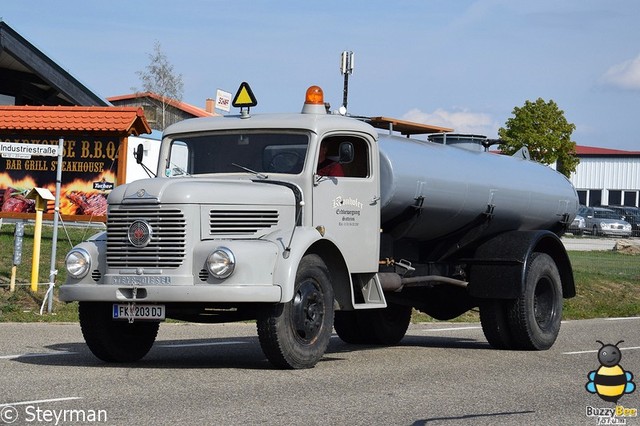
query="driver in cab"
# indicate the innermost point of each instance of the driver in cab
(328, 165)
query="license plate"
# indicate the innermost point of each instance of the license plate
(142, 312)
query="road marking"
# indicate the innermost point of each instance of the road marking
(186, 345)
(595, 351)
(31, 355)
(621, 318)
(41, 401)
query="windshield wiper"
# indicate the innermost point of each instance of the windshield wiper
(180, 171)
(246, 169)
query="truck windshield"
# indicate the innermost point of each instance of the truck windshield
(260, 152)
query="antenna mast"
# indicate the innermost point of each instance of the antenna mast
(346, 68)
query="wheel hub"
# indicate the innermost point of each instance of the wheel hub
(544, 308)
(308, 311)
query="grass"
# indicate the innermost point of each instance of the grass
(24, 305)
(606, 282)
(606, 285)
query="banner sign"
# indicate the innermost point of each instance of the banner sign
(89, 170)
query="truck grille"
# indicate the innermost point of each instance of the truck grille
(168, 239)
(241, 222)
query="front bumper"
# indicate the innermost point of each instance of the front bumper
(615, 233)
(205, 293)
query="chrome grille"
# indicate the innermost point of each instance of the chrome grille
(241, 222)
(166, 249)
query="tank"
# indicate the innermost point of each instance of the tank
(452, 187)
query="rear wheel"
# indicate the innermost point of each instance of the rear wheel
(348, 328)
(495, 323)
(115, 341)
(296, 334)
(385, 326)
(535, 316)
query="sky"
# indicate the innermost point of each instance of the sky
(463, 64)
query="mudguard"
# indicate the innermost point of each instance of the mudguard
(498, 268)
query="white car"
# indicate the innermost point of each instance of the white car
(578, 225)
(606, 222)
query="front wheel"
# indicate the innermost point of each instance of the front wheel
(296, 334)
(535, 316)
(115, 341)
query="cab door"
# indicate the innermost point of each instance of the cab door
(346, 200)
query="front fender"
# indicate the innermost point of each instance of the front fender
(288, 260)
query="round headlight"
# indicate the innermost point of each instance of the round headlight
(78, 263)
(221, 263)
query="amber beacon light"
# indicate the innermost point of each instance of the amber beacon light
(314, 96)
(314, 101)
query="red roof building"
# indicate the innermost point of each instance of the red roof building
(607, 176)
(162, 112)
(67, 120)
(595, 151)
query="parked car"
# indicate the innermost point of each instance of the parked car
(602, 221)
(629, 214)
(577, 226)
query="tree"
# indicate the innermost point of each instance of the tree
(159, 78)
(543, 129)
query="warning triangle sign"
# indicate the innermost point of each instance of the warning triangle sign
(244, 97)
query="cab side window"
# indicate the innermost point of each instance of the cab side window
(329, 158)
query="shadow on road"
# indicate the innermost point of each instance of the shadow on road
(240, 352)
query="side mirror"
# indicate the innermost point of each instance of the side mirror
(346, 153)
(138, 153)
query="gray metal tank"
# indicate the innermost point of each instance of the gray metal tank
(455, 185)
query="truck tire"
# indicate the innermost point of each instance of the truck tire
(115, 341)
(385, 326)
(534, 317)
(296, 334)
(347, 327)
(495, 323)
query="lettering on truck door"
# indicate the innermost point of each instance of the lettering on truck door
(345, 201)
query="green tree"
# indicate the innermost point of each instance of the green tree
(541, 127)
(159, 77)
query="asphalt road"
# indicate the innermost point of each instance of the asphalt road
(441, 374)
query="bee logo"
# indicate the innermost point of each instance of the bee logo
(610, 381)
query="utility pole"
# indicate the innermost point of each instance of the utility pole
(346, 68)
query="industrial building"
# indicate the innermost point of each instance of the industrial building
(607, 176)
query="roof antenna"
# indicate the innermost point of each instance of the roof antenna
(346, 68)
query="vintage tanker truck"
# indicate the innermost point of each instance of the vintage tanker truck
(243, 222)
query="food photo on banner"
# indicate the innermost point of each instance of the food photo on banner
(89, 172)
